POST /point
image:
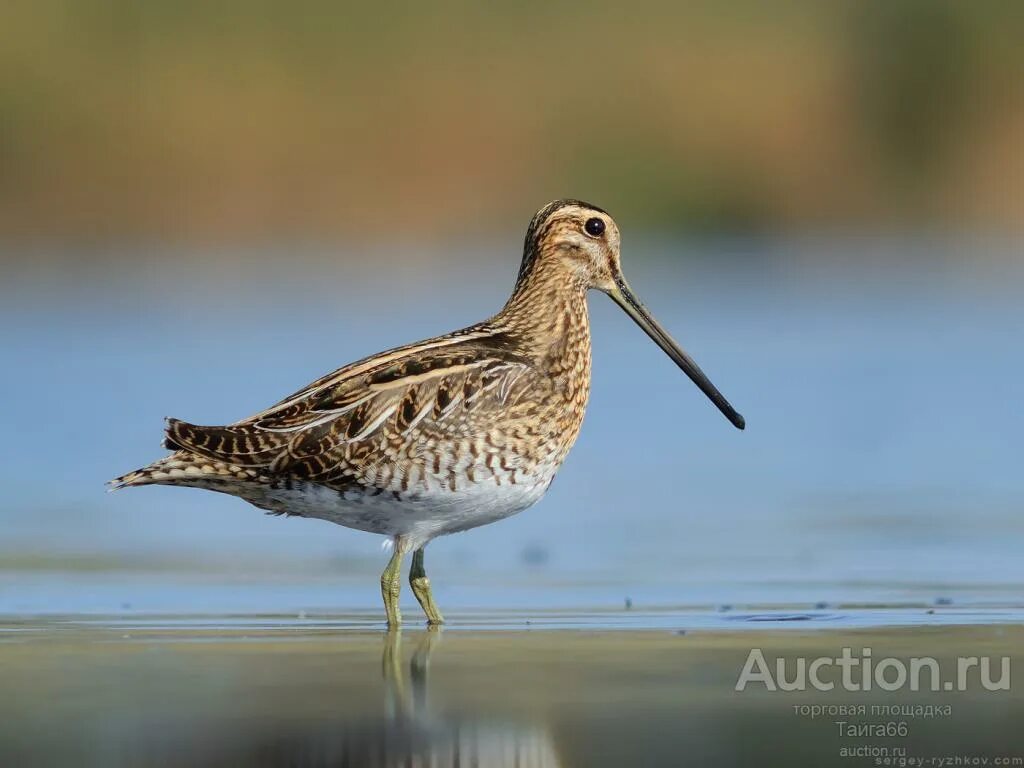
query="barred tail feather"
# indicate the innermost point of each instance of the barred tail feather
(186, 469)
(141, 476)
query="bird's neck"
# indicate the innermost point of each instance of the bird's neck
(548, 315)
(548, 318)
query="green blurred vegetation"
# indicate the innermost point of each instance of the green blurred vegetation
(222, 121)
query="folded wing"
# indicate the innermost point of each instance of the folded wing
(337, 429)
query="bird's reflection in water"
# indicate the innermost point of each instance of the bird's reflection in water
(409, 732)
(413, 735)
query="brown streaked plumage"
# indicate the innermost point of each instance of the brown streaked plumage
(442, 435)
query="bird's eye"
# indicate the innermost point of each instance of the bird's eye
(594, 227)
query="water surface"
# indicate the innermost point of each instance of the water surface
(284, 692)
(875, 499)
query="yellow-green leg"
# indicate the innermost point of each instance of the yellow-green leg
(421, 588)
(391, 586)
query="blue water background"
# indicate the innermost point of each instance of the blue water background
(881, 379)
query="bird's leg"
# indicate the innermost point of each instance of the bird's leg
(421, 588)
(391, 585)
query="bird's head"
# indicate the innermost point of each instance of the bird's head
(581, 241)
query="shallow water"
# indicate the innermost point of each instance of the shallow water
(875, 501)
(136, 596)
(278, 691)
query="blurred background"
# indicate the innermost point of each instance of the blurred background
(204, 206)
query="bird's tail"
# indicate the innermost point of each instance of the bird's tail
(143, 476)
(184, 468)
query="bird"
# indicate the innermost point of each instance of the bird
(442, 435)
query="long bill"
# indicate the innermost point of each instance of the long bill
(623, 296)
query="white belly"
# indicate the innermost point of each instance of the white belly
(416, 516)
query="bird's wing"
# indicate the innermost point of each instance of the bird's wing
(353, 416)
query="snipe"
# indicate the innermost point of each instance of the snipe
(442, 435)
